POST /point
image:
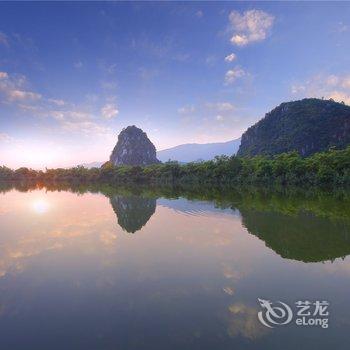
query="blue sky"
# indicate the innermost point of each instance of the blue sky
(72, 75)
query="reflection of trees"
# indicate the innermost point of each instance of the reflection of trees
(309, 226)
(303, 237)
(133, 211)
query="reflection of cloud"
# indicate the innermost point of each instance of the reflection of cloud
(243, 321)
(341, 265)
(229, 290)
(83, 227)
(231, 272)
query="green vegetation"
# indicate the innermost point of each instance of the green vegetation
(331, 168)
(306, 126)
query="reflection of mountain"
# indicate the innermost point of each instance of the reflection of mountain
(297, 233)
(132, 211)
(309, 227)
(196, 208)
(302, 237)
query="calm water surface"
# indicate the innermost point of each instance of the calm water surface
(121, 270)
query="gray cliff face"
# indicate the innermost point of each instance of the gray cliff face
(133, 148)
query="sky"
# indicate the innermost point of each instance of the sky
(74, 74)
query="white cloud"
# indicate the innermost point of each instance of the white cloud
(221, 106)
(22, 95)
(86, 128)
(342, 27)
(233, 74)
(109, 111)
(3, 39)
(230, 58)
(13, 88)
(186, 109)
(240, 40)
(56, 102)
(249, 27)
(83, 120)
(225, 106)
(219, 117)
(332, 86)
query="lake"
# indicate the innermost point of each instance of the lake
(140, 268)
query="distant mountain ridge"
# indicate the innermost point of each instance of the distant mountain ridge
(92, 165)
(192, 152)
(307, 126)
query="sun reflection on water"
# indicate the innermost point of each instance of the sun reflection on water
(40, 206)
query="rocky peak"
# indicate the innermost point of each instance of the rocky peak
(133, 148)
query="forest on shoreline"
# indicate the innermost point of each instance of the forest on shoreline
(330, 168)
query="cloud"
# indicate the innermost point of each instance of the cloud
(186, 109)
(109, 85)
(68, 117)
(342, 27)
(233, 74)
(230, 58)
(86, 128)
(3, 39)
(148, 73)
(332, 86)
(5, 138)
(78, 64)
(13, 88)
(109, 111)
(340, 96)
(225, 106)
(22, 95)
(249, 27)
(56, 102)
(221, 106)
(199, 14)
